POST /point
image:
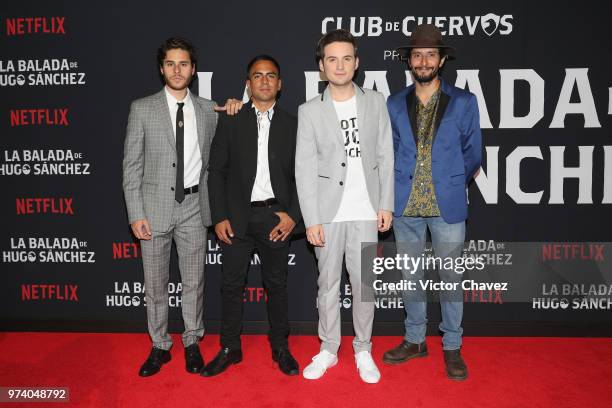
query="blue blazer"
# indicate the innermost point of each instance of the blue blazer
(456, 150)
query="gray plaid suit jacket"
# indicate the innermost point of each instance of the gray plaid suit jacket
(149, 153)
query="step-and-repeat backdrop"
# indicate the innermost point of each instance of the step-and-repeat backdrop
(69, 70)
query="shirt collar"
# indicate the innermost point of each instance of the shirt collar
(432, 101)
(172, 101)
(270, 111)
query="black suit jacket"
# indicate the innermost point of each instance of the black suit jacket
(233, 165)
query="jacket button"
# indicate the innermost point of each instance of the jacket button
(410, 177)
(341, 183)
(415, 156)
(172, 188)
(343, 164)
(173, 164)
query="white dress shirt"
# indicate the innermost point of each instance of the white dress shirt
(191, 149)
(262, 188)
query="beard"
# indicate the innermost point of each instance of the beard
(425, 79)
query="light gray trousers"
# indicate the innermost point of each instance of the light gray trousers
(344, 239)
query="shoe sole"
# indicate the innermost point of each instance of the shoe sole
(331, 365)
(195, 370)
(203, 374)
(397, 362)
(370, 382)
(457, 378)
(290, 373)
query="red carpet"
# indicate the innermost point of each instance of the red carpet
(101, 371)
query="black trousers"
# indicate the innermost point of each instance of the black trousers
(236, 260)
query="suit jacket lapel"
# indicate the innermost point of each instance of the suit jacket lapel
(273, 134)
(199, 116)
(164, 115)
(249, 126)
(442, 104)
(362, 108)
(411, 108)
(331, 118)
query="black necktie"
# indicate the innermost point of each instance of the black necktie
(179, 189)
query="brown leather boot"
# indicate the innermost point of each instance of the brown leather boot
(404, 352)
(455, 366)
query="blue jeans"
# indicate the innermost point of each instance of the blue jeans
(447, 240)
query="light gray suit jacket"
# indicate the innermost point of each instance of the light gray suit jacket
(149, 158)
(320, 159)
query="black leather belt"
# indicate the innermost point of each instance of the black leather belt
(265, 203)
(192, 189)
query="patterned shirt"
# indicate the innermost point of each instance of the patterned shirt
(422, 202)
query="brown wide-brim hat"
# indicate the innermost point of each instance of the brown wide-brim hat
(426, 36)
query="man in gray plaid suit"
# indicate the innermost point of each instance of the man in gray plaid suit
(164, 180)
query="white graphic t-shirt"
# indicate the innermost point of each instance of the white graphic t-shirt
(355, 204)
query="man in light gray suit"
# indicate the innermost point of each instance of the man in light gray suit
(344, 177)
(164, 181)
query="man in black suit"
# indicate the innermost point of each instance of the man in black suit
(254, 205)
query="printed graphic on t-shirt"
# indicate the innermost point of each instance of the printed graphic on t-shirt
(355, 204)
(351, 137)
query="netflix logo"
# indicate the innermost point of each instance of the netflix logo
(39, 117)
(46, 205)
(255, 295)
(39, 291)
(573, 251)
(483, 296)
(35, 25)
(126, 250)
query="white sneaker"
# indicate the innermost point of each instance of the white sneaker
(320, 363)
(367, 369)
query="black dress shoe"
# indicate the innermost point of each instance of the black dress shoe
(222, 360)
(193, 359)
(286, 362)
(156, 359)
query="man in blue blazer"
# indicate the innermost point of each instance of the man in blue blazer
(437, 142)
